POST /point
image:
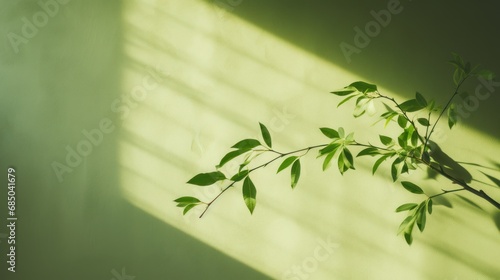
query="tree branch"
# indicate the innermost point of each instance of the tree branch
(280, 155)
(405, 115)
(465, 186)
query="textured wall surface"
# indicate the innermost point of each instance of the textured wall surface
(107, 108)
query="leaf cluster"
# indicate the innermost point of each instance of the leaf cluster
(417, 213)
(338, 148)
(248, 147)
(405, 150)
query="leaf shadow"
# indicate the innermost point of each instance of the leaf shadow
(496, 219)
(493, 179)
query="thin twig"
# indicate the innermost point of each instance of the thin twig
(444, 109)
(280, 155)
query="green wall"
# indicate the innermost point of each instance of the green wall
(150, 93)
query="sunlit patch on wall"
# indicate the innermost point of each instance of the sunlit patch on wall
(195, 83)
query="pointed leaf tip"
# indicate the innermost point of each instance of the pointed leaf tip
(406, 207)
(363, 87)
(246, 144)
(421, 99)
(287, 162)
(187, 208)
(329, 132)
(409, 186)
(266, 135)
(249, 194)
(295, 173)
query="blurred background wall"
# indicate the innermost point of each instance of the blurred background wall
(109, 107)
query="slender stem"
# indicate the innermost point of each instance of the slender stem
(210, 203)
(280, 155)
(445, 192)
(461, 183)
(370, 146)
(445, 107)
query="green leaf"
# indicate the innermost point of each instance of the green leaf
(361, 104)
(231, 155)
(345, 91)
(420, 99)
(429, 206)
(452, 116)
(406, 207)
(246, 144)
(388, 114)
(405, 224)
(266, 135)
(431, 106)
(187, 208)
(328, 158)
(395, 169)
(402, 121)
(206, 179)
(389, 118)
(369, 152)
(349, 138)
(341, 132)
(378, 162)
(245, 163)
(386, 140)
(286, 163)
(411, 105)
(348, 158)
(186, 200)
(414, 138)
(409, 229)
(421, 218)
(423, 121)
(388, 108)
(332, 147)
(358, 111)
(329, 132)
(295, 173)
(403, 139)
(345, 161)
(240, 175)
(363, 87)
(408, 237)
(404, 168)
(346, 99)
(409, 186)
(249, 194)
(341, 164)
